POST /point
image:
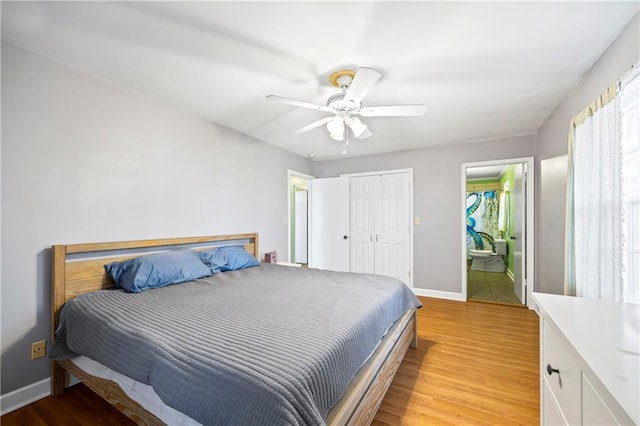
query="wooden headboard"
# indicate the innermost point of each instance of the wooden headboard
(73, 277)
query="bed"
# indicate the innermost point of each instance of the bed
(352, 378)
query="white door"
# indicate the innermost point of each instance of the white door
(301, 218)
(329, 244)
(519, 201)
(362, 199)
(393, 227)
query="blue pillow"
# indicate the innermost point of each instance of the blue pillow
(228, 258)
(157, 270)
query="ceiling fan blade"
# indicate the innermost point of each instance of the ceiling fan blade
(299, 103)
(394, 111)
(364, 80)
(313, 125)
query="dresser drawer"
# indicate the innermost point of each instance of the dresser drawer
(565, 385)
(550, 414)
(594, 410)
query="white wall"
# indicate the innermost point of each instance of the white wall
(436, 194)
(552, 148)
(85, 161)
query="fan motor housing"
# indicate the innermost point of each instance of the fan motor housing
(338, 103)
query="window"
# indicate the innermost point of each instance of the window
(630, 143)
(603, 192)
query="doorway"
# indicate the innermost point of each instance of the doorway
(298, 185)
(497, 231)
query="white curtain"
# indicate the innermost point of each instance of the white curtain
(630, 117)
(594, 213)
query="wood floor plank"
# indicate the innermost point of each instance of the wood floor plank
(476, 364)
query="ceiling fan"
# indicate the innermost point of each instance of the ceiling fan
(346, 106)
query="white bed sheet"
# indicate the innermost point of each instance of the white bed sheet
(141, 393)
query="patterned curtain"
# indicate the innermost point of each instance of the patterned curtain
(482, 220)
(490, 215)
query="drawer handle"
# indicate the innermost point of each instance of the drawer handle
(552, 370)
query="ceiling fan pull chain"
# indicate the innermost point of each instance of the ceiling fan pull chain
(345, 138)
(346, 133)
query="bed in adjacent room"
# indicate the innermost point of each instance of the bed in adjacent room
(247, 343)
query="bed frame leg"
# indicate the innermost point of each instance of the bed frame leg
(57, 379)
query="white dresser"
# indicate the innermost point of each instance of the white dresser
(589, 361)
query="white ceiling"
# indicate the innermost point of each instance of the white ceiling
(484, 69)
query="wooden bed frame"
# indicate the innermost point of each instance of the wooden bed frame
(73, 277)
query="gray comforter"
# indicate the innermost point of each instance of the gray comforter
(269, 345)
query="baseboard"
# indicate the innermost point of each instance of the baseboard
(28, 394)
(440, 294)
(24, 396)
(510, 275)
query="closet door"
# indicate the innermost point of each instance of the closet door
(362, 200)
(392, 227)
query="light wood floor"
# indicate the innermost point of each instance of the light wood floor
(476, 364)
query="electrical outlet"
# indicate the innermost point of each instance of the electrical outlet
(38, 349)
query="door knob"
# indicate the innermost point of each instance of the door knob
(344, 237)
(552, 370)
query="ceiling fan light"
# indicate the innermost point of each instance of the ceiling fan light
(357, 126)
(336, 128)
(336, 136)
(335, 125)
